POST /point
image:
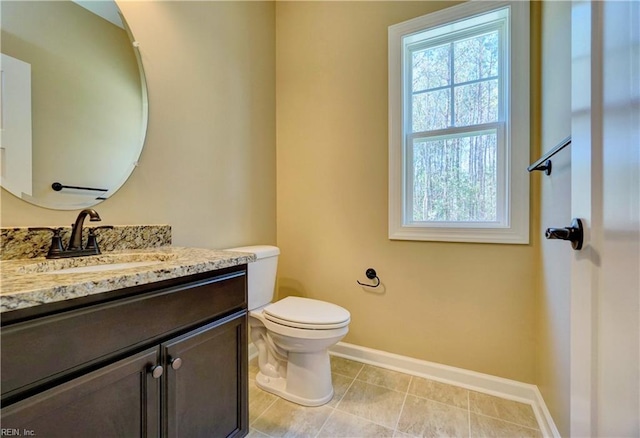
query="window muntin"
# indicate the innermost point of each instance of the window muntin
(465, 189)
(448, 74)
(432, 77)
(454, 80)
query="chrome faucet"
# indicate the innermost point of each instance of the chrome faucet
(75, 243)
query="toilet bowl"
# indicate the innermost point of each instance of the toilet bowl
(292, 335)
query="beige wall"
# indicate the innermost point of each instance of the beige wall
(209, 170)
(552, 376)
(208, 166)
(466, 305)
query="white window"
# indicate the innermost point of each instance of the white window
(459, 124)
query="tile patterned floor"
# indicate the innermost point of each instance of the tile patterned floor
(375, 402)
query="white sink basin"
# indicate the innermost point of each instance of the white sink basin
(98, 263)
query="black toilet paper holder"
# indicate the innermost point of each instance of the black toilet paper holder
(371, 274)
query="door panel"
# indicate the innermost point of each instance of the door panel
(605, 307)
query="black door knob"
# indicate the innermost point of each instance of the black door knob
(574, 234)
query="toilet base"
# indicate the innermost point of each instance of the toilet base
(307, 381)
(294, 363)
(277, 386)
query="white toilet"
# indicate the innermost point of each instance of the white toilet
(292, 335)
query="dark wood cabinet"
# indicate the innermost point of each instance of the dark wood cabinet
(118, 400)
(169, 360)
(205, 383)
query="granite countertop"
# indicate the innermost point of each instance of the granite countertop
(24, 282)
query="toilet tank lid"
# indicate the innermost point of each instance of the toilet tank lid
(261, 251)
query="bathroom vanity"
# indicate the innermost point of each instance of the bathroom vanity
(151, 350)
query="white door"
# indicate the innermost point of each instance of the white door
(605, 186)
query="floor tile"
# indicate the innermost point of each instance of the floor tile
(508, 410)
(387, 378)
(253, 368)
(398, 434)
(375, 403)
(427, 418)
(256, 434)
(340, 424)
(449, 394)
(340, 385)
(482, 426)
(259, 401)
(286, 419)
(345, 367)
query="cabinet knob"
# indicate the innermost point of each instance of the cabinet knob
(176, 363)
(156, 372)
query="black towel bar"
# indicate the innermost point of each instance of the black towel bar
(57, 187)
(544, 163)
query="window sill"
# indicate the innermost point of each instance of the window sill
(468, 235)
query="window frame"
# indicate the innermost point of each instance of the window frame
(514, 227)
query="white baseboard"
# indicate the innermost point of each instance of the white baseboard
(485, 383)
(498, 386)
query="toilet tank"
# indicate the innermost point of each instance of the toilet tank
(261, 274)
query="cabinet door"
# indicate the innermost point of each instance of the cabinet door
(206, 381)
(118, 400)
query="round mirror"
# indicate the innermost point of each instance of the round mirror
(74, 102)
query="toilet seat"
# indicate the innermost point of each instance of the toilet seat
(305, 313)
